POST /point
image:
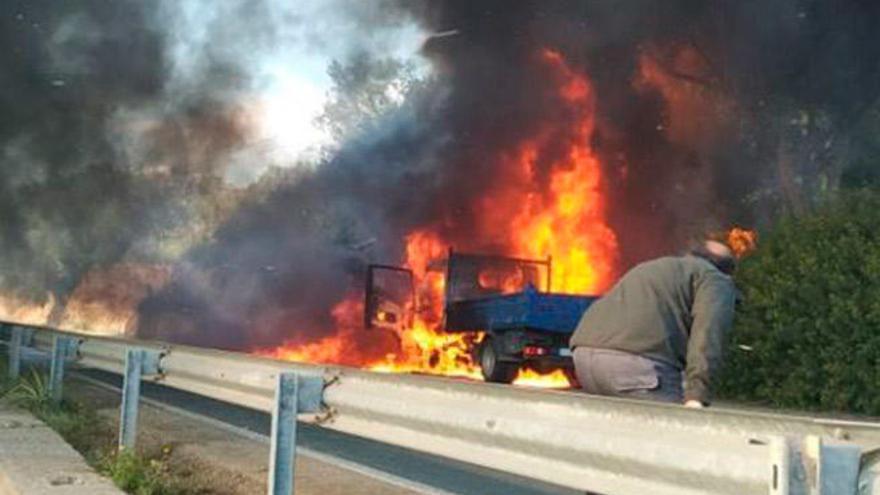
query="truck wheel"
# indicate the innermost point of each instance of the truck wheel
(572, 377)
(493, 368)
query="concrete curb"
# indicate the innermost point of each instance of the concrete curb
(34, 460)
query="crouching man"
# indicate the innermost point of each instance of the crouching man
(659, 333)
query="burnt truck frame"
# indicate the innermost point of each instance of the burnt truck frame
(507, 298)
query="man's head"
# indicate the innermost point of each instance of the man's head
(718, 254)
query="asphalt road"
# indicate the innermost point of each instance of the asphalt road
(432, 471)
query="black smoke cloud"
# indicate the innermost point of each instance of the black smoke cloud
(277, 268)
(760, 67)
(101, 145)
(120, 121)
(67, 202)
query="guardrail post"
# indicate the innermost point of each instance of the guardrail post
(61, 348)
(293, 394)
(15, 351)
(834, 466)
(131, 391)
(813, 465)
(138, 362)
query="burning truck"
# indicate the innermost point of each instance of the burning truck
(540, 198)
(503, 301)
(548, 220)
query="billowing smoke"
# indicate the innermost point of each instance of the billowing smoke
(68, 203)
(155, 133)
(278, 266)
(695, 104)
(131, 131)
(709, 113)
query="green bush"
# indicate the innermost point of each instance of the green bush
(140, 475)
(807, 332)
(88, 433)
(31, 392)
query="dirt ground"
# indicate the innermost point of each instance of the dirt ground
(218, 461)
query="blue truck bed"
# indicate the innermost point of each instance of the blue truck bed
(529, 309)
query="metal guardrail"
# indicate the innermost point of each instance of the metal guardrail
(605, 445)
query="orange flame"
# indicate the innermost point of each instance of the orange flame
(562, 218)
(331, 349)
(424, 347)
(742, 241)
(105, 301)
(568, 225)
(531, 378)
(504, 282)
(20, 310)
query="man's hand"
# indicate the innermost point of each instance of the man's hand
(694, 404)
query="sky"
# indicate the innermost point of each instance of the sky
(285, 48)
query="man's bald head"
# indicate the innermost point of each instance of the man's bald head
(718, 249)
(717, 253)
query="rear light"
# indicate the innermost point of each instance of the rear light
(385, 316)
(534, 350)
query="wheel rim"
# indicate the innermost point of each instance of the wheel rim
(487, 360)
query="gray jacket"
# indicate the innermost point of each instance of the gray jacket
(675, 309)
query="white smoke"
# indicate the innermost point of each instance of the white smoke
(281, 51)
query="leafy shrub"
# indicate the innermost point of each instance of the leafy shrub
(31, 392)
(91, 435)
(810, 313)
(140, 475)
(78, 425)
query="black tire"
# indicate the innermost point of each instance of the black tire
(492, 367)
(572, 377)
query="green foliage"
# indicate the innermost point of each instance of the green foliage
(91, 435)
(140, 475)
(810, 316)
(365, 88)
(78, 425)
(32, 392)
